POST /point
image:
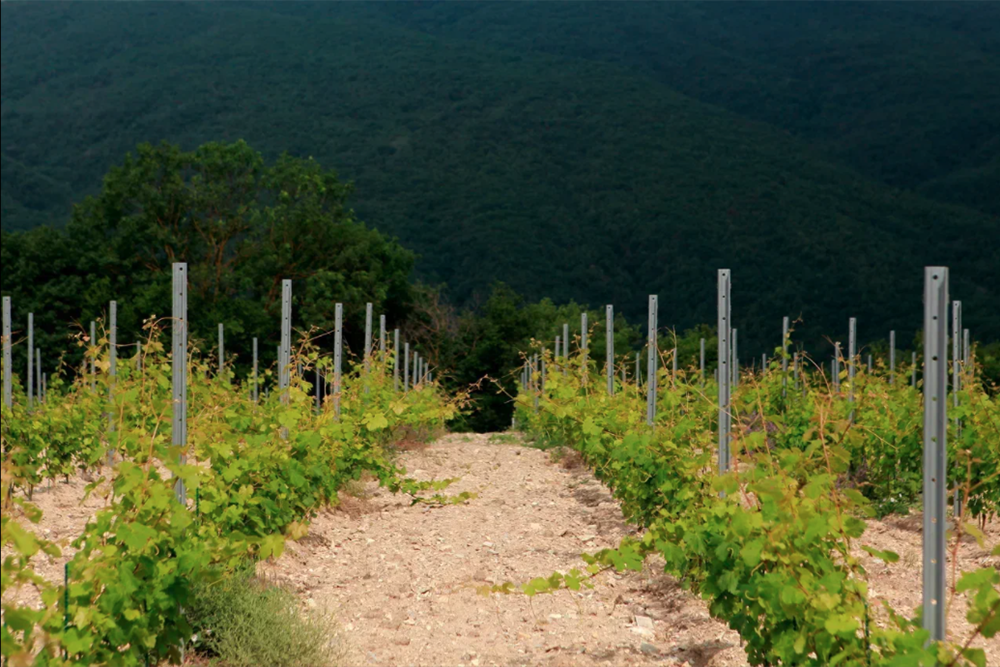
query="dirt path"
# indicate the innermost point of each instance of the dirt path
(402, 579)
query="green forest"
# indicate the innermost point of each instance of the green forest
(459, 163)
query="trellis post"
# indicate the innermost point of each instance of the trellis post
(395, 360)
(112, 374)
(935, 448)
(726, 355)
(222, 349)
(651, 360)
(406, 367)
(892, 357)
(381, 339)
(584, 350)
(785, 326)
(31, 360)
(609, 355)
(338, 357)
(178, 363)
(256, 386)
(8, 381)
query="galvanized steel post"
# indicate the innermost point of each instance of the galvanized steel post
(256, 385)
(892, 357)
(338, 356)
(651, 361)
(178, 362)
(222, 349)
(395, 359)
(112, 374)
(785, 326)
(8, 382)
(726, 352)
(609, 355)
(31, 360)
(935, 448)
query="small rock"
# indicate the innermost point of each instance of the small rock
(649, 649)
(402, 641)
(588, 538)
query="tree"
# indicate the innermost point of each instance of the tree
(240, 224)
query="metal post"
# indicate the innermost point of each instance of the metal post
(222, 349)
(673, 380)
(565, 341)
(871, 364)
(406, 367)
(285, 358)
(651, 362)
(966, 348)
(892, 357)
(609, 355)
(138, 354)
(381, 339)
(956, 351)
(836, 367)
(8, 381)
(726, 351)
(368, 336)
(256, 385)
(785, 326)
(338, 341)
(31, 360)
(584, 350)
(319, 390)
(701, 363)
(935, 447)
(395, 359)
(956, 385)
(179, 371)
(795, 370)
(763, 364)
(852, 351)
(558, 348)
(112, 375)
(93, 356)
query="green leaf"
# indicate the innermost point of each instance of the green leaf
(887, 556)
(840, 624)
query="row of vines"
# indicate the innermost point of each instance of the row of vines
(772, 544)
(255, 473)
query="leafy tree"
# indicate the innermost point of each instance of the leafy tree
(241, 225)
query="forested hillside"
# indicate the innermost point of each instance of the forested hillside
(535, 148)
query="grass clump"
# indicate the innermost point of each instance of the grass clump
(244, 621)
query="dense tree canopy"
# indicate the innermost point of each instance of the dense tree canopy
(242, 226)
